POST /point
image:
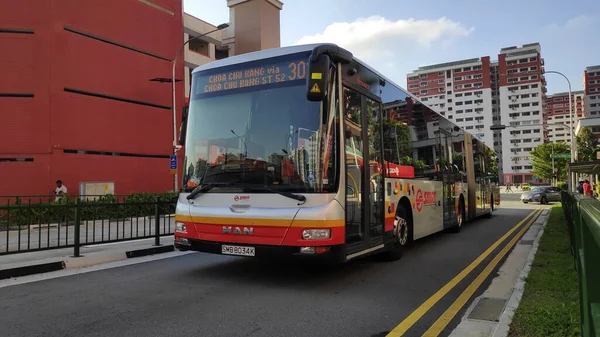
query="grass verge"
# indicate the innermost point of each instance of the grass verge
(550, 302)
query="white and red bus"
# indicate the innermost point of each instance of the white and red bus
(275, 148)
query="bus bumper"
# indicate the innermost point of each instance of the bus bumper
(333, 253)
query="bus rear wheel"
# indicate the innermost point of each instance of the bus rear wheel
(401, 235)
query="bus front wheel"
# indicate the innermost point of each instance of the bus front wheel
(401, 235)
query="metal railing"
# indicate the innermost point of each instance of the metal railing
(32, 225)
(582, 216)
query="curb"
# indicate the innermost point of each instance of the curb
(32, 269)
(503, 326)
(41, 268)
(150, 251)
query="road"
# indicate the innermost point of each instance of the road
(211, 295)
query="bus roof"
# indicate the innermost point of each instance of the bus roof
(281, 51)
(257, 55)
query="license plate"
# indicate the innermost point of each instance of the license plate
(237, 250)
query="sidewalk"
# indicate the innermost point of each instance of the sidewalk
(548, 305)
(23, 264)
(491, 313)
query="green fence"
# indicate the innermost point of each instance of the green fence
(31, 224)
(583, 220)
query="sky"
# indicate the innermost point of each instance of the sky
(398, 36)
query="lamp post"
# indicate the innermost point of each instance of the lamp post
(572, 181)
(175, 146)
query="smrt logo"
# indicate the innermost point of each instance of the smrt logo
(419, 200)
(241, 197)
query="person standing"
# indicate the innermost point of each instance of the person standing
(587, 188)
(60, 189)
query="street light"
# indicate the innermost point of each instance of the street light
(571, 127)
(175, 146)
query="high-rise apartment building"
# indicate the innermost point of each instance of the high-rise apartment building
(591, 88)
(460, 90)
(521, 90)
(556, 111)
(476, 94)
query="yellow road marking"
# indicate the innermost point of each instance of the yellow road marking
(449, 314)
(409, 321)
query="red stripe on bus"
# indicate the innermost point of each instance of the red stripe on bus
(261, 235)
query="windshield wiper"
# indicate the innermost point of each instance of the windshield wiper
(205, 188)
(298, 197)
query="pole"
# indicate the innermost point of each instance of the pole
(157, 221)
(219, 27)
(77, 230)
(552, 156)
(572, 181)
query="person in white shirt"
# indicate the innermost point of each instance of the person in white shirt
(60, 189)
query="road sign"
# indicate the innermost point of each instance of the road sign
(561, 155)
(173, 164)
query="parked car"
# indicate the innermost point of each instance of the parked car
(541, 194)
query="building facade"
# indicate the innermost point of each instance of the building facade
(521, 91)
(460, 90)
(591, 88)
(77, 98)
(556, 111)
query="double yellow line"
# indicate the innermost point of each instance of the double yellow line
(449, 314)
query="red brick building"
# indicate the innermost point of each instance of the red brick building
(75, 95)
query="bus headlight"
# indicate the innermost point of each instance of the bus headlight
(316, 234)
(180, 227)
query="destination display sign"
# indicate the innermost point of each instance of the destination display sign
(251, 76)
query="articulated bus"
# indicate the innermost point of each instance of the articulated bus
(308, 151)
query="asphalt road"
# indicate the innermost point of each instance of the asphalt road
(211, 295)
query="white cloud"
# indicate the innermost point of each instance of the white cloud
(574, 24)
(379, 39)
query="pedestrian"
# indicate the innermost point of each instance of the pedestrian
(587, 188)
(580, 187)
(60, 189)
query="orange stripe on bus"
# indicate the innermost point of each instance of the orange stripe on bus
(261, 222)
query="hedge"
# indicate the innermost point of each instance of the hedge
(104, 207)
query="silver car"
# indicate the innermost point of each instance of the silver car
(541, 194)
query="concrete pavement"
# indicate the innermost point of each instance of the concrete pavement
(211, 295)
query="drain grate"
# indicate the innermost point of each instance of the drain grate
(526, 242)
(488, 309)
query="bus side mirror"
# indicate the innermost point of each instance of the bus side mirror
(183, 125)
(317, 78)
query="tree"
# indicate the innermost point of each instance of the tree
(586, 145)
(542, 162)
(491, 163)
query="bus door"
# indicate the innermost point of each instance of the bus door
(363, 165)
(449, 175)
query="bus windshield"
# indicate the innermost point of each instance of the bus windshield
(264, 136)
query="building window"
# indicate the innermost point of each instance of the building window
(200, 47)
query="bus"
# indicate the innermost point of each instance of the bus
(306, 151)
